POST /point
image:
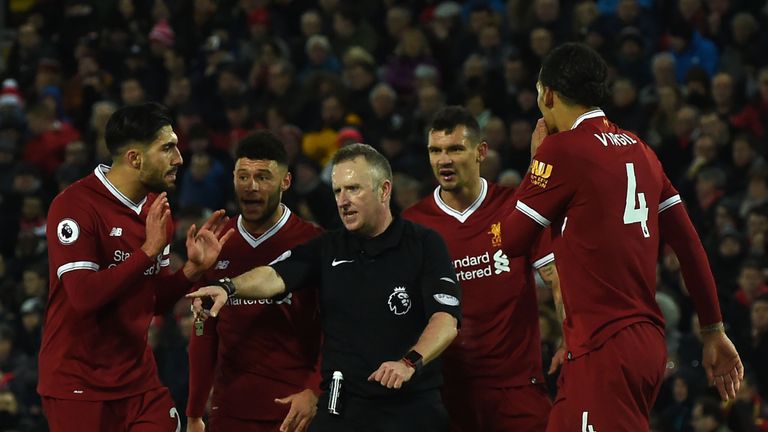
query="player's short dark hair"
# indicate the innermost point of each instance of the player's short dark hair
(380, 167)
(577, 72)
(262, 145)
(449, 118)
(138, 123)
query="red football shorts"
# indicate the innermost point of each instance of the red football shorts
(153, 411)
(472, 407)
(614, 387)
(219, 423)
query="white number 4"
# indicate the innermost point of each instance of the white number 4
(632, 214)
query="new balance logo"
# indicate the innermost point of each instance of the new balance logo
(116, 232)
(337, 262)
(222, 265)
(585, 426)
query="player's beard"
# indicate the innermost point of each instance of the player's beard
(272, 201)
(154, 179)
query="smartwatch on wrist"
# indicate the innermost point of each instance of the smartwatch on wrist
(228, 286)
(414, 360)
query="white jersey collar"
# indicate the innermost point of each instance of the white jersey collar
(463, 215)
(255, 241)
(100, 173)
(588, 115)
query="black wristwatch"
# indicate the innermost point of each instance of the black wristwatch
(228, 286)
(414, 360)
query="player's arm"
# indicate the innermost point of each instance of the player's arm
(203, 247)
(720, 359)
(88, 286)
(441, 295)
(548, 274)
(203, 351)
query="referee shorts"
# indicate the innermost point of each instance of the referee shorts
(421, 412)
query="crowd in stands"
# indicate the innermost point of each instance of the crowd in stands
(690, 77)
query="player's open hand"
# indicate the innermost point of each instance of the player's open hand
(538, 135)
(158, 217)
(302, 410)
(392, 374)
(722, 364)
(215, 293)
(204, 246)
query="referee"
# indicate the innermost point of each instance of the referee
(389, 301)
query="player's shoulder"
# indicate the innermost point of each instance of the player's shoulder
(424, 207)
(305, 227)
(80, 196)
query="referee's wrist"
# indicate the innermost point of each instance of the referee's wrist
(228, 285)
(413, 360)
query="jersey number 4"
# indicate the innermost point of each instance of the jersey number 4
(634, 214)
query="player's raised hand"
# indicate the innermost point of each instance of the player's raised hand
(158, 216)
(204, 246)
(392, 374)
(215, 293)
(722, 364)
(538, 135)
(302, 410)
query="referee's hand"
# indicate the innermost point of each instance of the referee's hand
(392, 374)
(216, 293)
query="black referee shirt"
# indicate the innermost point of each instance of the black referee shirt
(376, 298)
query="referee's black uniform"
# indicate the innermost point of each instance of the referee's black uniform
(377, 296)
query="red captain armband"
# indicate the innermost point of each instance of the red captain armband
(414, 360)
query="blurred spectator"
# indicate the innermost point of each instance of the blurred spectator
(677, 416)
(203, 182)
(412, 51)
(631, 60)
(754, 116)
(351, 29)
(663, 71)
(691, 49)
(624, 107)
(320, 57)
(759, 352)
(756, 188)
(384, 116)
(708, 416)
(757, 230)
(745, 161)
(45, 149)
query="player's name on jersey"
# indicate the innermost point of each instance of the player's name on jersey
(483, 261)
(620, 139)
(234, 301)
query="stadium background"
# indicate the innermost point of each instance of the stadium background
(689, 76)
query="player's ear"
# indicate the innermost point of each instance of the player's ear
(132, 158)
(482, 150)
(549, 97)
(286, 183)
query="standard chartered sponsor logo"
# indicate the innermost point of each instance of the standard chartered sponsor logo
(500, 262)
(478, 266)
(234, 301)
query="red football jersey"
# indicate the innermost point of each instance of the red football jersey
(94, 343)
(601, 189)
(256, 350)
(499, 341)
